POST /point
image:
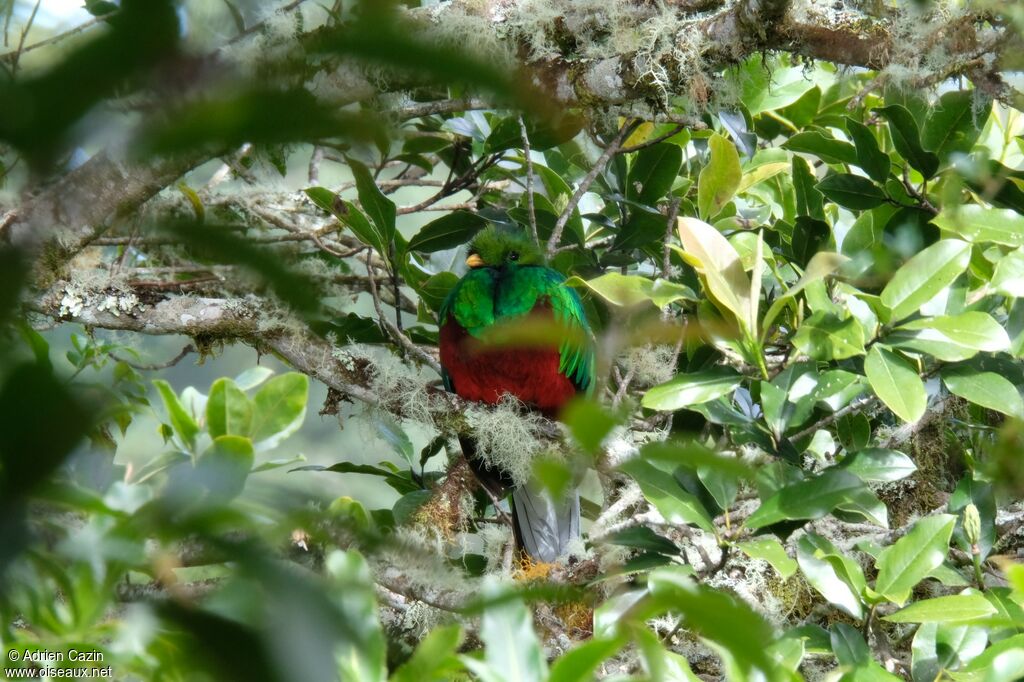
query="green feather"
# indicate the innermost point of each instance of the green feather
(509, 288)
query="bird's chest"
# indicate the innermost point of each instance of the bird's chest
(486, 373)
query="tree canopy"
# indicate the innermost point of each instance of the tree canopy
(798, 231)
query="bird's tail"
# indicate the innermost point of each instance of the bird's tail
(545, 524)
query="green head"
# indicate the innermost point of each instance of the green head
(494, 248)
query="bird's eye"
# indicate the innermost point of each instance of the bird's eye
(513, 255)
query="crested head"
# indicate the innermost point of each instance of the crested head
(496, 248)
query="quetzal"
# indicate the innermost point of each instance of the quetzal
(507, 283)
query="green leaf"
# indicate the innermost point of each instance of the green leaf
(851, 191)
(435, 659)
(228, 410)
(365, 231)
(869, 157)
(407, 505)
(809, 201)
(447, 232)
(956, 608)
(761, 173)
(394, 435)
(808, 499)
(380, 209)
(579, 663)
(879, 465)
(854, 656)
(589, 422)
(714, 615)
(821, 265)
(511, 649)
(983, 225)
(692, 389)
(224, 466)
(837, 577)
(896, 383)
(824, 336)
(253, 377)
(1008, 278)
(906, 138)
(181, 421)
(719, 180)
(771, 550)
(436, 288)
(902, 565)
(653, 171)
(987, 389)
(828, 149)
(661, 490)
(279, 409)
(630, 290)
(950, 125)
(717, 261)
(973, 330)
(922, 277)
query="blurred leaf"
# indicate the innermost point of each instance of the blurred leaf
(909, 561)
(692, 389)
(821, 265)
(228, 410)
(642, 537)
(1008, 278)
(511, 650)
(715, 615)
(853, 655)
(279, 409)
(257, 116)
(719, 179)
(224, 466)
(896, 383)
(981, 225)
(579, 663)
(447, 232)
(771, 550)
(588, 422)
(183, 423)
(362, 656)
(435, 659)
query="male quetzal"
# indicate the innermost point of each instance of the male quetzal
(508, 282)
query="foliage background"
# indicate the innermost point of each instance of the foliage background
(799, 232)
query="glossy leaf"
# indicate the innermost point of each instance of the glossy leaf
(769, 549)
(907, 140)
(925, 275)
(869, 157)
(692, 389)
(808, 499)
(987, 389)
(955, 608)
(981, 225)
(228, 410)
(896, 383)
(447, 232)
(661, 490)
(902, 565)
(720, 179)
(653, 171)
(824, 336)
(722, 268)
(851, 191)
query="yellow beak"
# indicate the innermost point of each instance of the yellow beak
(475, 261)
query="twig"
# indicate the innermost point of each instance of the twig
(24, 34)
(673, 214)
(314, 164)
(529, 181)
(15, 54)
(159, 365)
(602, 161)
(396, 334)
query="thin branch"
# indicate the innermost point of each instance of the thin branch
(529, 180)
(15, 54)
(588, 180)
(396, 334)
(159, 365)
(650, 143)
